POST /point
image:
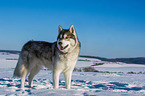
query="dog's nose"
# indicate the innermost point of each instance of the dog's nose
(60, 43)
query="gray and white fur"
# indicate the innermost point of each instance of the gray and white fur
(60, 57)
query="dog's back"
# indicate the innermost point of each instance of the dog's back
(34, 52)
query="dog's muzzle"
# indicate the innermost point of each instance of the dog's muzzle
(62, 47)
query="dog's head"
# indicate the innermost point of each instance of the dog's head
(67, 39)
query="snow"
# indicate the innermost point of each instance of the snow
(83, 83)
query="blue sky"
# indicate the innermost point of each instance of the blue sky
(107, 28)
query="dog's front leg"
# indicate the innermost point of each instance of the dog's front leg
(56, 79)
(68, 75)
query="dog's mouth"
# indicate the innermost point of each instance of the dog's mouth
(62, 48)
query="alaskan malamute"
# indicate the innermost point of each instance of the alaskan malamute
(60, 56)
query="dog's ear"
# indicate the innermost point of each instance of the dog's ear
(59, 29)
(72, 29)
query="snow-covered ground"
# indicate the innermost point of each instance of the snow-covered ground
(83, 83)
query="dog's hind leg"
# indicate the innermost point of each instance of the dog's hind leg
(23, 76)
(33, 72)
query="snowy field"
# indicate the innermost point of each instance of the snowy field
(113, 81)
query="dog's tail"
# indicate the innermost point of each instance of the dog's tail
(17, 72)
